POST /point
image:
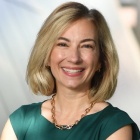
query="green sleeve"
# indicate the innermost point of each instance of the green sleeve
(21, 120)
(118, 121)
(17, 119)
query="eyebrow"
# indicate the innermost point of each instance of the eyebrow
(82, 41)
(63, 38)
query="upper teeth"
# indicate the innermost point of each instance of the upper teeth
(71, 70)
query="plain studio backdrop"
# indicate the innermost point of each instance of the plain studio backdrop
(20, 21)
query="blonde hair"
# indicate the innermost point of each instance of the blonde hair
(39, 76)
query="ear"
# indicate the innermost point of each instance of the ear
(98, 67)
(48, 63)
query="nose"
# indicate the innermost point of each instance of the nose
(74, 55)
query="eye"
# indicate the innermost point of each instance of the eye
(62, 44)
(88, 46)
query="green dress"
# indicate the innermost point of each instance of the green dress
(29, 124)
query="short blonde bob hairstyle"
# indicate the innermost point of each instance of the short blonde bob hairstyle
(39, 76)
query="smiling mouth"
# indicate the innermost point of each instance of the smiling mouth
(72, 71)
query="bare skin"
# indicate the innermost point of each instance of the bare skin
(70, 110)
(8, 132)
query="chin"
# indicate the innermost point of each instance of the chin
(75, 87)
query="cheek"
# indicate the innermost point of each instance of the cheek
(92, 59)
(55, 57)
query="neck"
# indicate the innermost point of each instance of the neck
(62, 127)
(70, 100)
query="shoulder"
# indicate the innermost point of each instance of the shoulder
(30, 108)
(110, 116)
(26, 109)
(108, 110)
(124, 133)
(114, 119)
(21, 118)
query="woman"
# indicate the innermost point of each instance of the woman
(74, 60)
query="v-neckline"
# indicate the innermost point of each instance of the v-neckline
(90, 115)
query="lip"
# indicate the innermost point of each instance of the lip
(73, 71)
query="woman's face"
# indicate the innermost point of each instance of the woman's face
(75, 56)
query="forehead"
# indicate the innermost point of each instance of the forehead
(81, 28)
